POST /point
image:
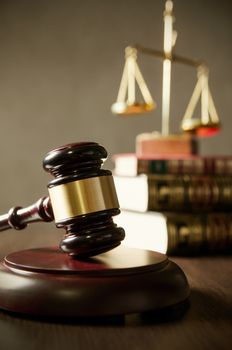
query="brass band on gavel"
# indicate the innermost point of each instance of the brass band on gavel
(83, 197)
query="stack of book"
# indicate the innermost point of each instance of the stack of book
(177, 205)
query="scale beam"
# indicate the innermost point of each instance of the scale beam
(175, 58)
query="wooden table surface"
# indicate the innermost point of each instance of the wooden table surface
(207, 324)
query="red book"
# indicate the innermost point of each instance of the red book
(129, 164)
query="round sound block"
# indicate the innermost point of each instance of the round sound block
(46, 282)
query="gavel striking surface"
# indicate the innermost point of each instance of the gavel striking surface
(46, 282)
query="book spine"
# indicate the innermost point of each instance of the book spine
(194, 235)
(190, 193)
(198, 166)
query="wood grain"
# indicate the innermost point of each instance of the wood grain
(206, 325)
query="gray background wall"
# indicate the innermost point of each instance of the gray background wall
(60, 67)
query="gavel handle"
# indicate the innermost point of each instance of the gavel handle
(18, 217)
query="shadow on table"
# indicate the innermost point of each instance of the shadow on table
(169, 314)
(202, 304)
(209, 305)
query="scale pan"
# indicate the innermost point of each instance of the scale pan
(123, 108)
(191, 125)
(196, 127)
(208, 130)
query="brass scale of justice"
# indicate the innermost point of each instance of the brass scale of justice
(90, 274)
(207, 124)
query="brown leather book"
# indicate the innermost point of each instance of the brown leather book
(178, 233)
(181, 193)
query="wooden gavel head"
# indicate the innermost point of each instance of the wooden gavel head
(83, 199)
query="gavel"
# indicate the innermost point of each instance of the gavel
(82, 199)
(97, 280)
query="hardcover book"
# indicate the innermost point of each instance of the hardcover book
(178, 234)
(184, 193)
(129, 164)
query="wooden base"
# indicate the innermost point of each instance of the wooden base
(156, 145)
(47, 283)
